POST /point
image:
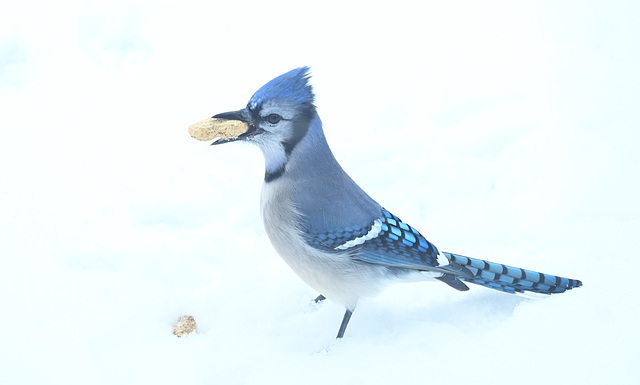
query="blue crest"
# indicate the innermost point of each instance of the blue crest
(292, 87)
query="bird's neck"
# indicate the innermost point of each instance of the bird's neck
(275, 161)
(311, 153)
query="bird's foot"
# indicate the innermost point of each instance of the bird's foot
(319, 298)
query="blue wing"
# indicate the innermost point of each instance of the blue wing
(386, 240)
(389, 241)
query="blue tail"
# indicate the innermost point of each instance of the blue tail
(507, 278)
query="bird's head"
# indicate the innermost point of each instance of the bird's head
(276, 118)
(279, 112)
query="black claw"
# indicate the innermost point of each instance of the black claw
(319, 298)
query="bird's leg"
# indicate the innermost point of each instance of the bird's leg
(345, 321)
(319, 298)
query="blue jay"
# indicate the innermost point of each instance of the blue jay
(328, 230)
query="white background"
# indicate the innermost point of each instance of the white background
(501, 130)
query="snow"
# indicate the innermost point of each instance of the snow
(503, 131)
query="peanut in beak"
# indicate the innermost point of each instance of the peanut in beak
(213, 128)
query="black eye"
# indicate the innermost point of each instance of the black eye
(274, 118)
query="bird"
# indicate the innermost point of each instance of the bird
(330, 232)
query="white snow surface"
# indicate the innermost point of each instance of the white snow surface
(507, 131)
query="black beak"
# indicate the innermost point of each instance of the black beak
(242, 115)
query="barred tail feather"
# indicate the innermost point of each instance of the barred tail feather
(508, 278)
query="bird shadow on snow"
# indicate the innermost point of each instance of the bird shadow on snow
(402, 314)
(462, 313)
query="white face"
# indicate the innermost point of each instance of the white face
(277, 120)
(286, 112)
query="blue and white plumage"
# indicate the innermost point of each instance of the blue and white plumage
(328, 230)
